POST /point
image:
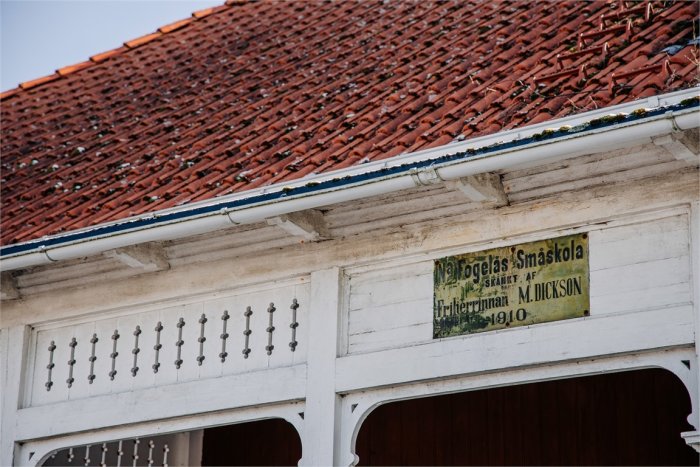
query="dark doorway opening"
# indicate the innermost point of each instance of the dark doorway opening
(265, 442)
(628, 418)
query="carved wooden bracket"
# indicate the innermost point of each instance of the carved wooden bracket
(425, 177)
(8, 287)
(681, 147)
(309, 224)
(481, 188)
(147, 256)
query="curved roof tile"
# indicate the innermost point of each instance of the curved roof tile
(252, 93)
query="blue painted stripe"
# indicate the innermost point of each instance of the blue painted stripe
(334, 184)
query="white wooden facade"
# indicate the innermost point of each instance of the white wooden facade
(364, 294)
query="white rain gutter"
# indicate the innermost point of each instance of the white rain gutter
(567, 146)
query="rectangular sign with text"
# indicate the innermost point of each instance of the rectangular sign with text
(511, 286)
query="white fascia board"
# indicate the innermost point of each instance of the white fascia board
(564, 147)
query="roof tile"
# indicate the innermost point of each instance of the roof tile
(73, 68)
(37, 82)
(202, 13)
(175, 26)
(105, 55)
(252, 93)
(142, 40)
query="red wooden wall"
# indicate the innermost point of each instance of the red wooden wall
(266, 442)
(630, 418)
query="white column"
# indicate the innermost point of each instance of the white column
(319, 437)
(693, 437)
(13, 350)
(695, 291)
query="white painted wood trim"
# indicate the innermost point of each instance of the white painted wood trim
(177, 300)
(13, 352)
(177, 400)
(196, 359)
(695, 291)
(44, 447)
(567, 211)
(602, 222)
(322, 403)
(6, 437)
(344, 315)
(539, 344)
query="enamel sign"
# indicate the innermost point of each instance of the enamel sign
(511, 286)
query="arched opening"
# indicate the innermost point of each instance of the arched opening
(628, 418)
(265, 442)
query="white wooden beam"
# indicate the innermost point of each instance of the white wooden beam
(319, 437)
(8, 287)
(147, 256)
(13, 355)
(606, 335)
(681, 148)
(481, 188)
(308, 225)
(35, 451)
(167, 402)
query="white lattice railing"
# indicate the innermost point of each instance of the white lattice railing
(160, 450)
(201, 339)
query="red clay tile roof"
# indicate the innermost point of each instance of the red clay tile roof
(248, 94)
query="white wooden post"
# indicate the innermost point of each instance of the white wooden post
(693, 437)
(322, 403)
(695, 286)
(13, 349)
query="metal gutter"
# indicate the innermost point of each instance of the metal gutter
(592, 132)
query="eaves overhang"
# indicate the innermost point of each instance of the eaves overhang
(605, 129)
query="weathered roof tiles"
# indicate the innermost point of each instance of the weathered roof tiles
(248, 94)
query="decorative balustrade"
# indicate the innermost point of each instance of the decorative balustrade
(127, 452)
(168, 345)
